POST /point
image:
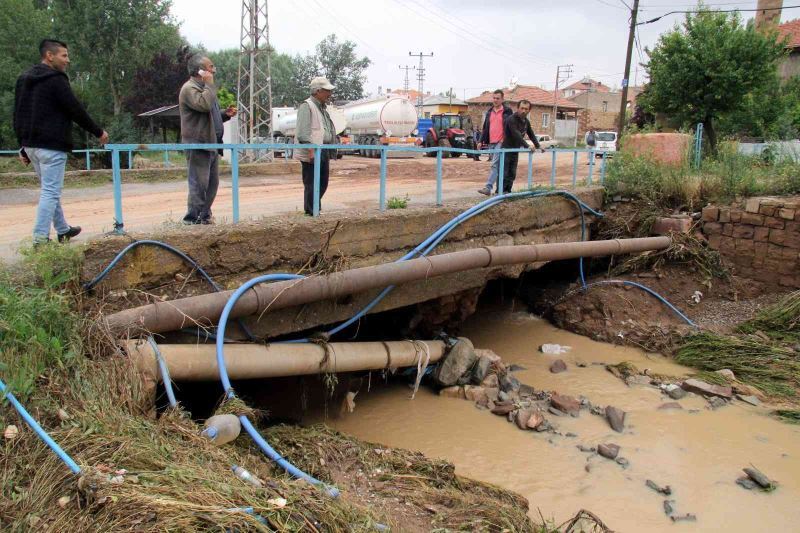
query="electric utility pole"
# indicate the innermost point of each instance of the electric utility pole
(420, 78)
(563, 73)
(406, 83)
(623, 106)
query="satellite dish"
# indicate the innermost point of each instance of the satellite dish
(514, 81)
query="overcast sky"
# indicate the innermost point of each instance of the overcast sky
(477, 44)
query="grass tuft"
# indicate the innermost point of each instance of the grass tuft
(395, 202)
(780, 321)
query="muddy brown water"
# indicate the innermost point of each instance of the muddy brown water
(698, 454)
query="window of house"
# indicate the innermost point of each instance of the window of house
(545, 120)
(605, 107)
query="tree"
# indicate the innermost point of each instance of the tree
(706, 68)
(22, 26)
(158, 83)
(113, 38)
(227, 63)
(338, 62)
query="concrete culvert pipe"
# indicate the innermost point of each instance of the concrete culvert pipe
(205, 310)
(197, 362)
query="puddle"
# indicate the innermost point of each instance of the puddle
(699, 455)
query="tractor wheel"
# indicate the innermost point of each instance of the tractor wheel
(429, 143)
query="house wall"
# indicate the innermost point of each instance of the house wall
(790, 66)
(536, 116)
(428, 110)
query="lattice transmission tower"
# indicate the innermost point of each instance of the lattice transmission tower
(254, 97)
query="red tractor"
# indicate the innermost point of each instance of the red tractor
(451, 130)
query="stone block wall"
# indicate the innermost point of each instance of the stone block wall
(759, 237)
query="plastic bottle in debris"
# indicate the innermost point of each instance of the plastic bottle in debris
(246, 476)
(221, 429)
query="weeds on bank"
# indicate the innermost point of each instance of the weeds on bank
(720, 178)
(780, 321)
(791, 416)
(395, 202)
(772, 369)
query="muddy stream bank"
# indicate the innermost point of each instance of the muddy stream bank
(697, 451)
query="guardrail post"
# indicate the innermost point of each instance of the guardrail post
(603, 170)
(553, 169)
(530, 170)
(382, 196)
(130, 159)
(88, 160)
(166, 158)
(574, 169)
(235, 183)
(591, 167)
(438, 176)
(116, 173)
(501, 170)
(317, 162)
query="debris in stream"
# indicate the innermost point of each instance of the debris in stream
(665, 490)
(621, 461)
(587, 449)
(558, 366)
(668, 509)
(554, 349)
(608, 450)
(763, 481)
(716, 402)
(670, 405)
(674, 391)
(516, 368)
(746, 483)
(616, 418)
(585, 521)
(688, 517)
(749, 399)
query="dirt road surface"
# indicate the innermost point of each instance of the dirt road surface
(354, 183)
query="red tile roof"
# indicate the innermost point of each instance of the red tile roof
(586, 84)
(791, 32)
(536, 95)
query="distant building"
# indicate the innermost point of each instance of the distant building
(584, 86)
(541, 115)
(433, 105)
(790, 32)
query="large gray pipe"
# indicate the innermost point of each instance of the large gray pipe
(206, 309)
(198, 362)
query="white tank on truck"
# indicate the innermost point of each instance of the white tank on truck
(387, 120)
(286, 123)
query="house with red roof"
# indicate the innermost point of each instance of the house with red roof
(790, 33)
(541, 115)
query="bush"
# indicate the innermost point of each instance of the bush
(398, 203)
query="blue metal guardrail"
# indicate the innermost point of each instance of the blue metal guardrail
(117, 149)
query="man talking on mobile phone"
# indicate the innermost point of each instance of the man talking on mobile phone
(201, 123)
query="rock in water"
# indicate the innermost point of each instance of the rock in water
(746, 483)
(752, 400)
(558, 366)
(458, 361)
(670, 405)
(668, 510)
(565, 403)
(666, 491)
(503, 408)
(477, 394)
(481, 369)
(453, 392)
(616, 418)
(706, 389)
(527, 419)
(727, 374)
(756, 475)
(609, 451)
(508, 383)
(676, 393)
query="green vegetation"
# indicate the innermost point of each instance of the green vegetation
(780, 321)
(773, 369)
(396, 202)
(706, 69)
(791, 416)
(721, 178)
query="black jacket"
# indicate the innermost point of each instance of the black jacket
(514, 129)
(485, 134)
(45, 108)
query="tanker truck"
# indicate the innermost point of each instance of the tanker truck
(285, 123)
(386, 120)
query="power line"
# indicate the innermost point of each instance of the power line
(420, 78)
(406, 83)
(692, 12)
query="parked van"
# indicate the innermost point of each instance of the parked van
(606, 143)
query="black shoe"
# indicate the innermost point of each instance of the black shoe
(73, 231)
(207, 221)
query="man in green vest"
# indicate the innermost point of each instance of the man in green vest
(314, 126)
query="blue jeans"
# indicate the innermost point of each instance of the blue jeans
(49, 166)
(495, 170)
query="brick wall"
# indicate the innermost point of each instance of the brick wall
(760, 237)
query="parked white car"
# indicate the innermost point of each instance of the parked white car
(606, 142)
(545, 141)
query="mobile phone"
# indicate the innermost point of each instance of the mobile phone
(201, 73)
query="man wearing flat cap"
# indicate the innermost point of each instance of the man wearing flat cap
(314, 126)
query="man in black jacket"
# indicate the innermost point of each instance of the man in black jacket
(514, 129)
(44, 110)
